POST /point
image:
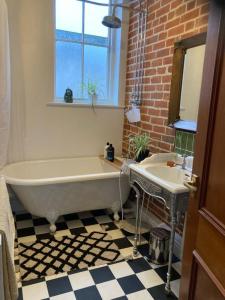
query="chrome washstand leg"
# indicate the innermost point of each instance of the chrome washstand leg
(135, 250)
(173, 224)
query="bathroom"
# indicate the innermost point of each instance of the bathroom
(79, 219)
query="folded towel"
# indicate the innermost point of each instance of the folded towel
(8, 285)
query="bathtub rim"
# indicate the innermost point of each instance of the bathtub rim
(57, 180)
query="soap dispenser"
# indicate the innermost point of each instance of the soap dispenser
(110, 153)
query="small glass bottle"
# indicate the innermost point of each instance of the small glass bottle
(110, 153)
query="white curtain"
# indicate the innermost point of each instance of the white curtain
(4, 84)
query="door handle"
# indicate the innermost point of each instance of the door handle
(193, 183)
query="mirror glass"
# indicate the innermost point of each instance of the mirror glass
(191, 83)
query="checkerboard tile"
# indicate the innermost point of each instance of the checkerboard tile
(129, 279)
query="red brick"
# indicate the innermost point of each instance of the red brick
(156, 136)
(161, 104)
(175, 4)
(153, 112)
(176, 30)
(161, 70)
(146, 126)
(166, 79)
(162, 11)
(181, 10)
(157, 95)
(165, 146)
(189, 26)
(169, 131)
(162, 36)
(155, 6)
(159, 129)
(170, 42)
(168, 60)
(172, 23)
(159, 28)
(144, 110)
(201, 2)
(159, 87)
(155, 23)
(168, 139)
(148, 88)
(204, 9)
(156, 62)
(157, 121)
(164, 113)
(159, 45)
(201, 21)
(163, 52)
(156, 79)
(163, 19)
(145, 118)
(190, 15)
(191, 5)
(171, 15)
(148, 103)
(203, 29)
(152, 39)
(150, 72)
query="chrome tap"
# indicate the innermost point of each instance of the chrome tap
(183, 165)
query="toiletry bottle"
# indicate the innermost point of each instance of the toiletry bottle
(110, 153)
(105, 150)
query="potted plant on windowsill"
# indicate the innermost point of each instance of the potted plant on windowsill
(92, 91)
(140, 146)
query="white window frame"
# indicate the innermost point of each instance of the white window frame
(117, 56)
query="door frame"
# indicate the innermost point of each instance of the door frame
(207, 111)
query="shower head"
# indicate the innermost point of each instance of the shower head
(112, 21)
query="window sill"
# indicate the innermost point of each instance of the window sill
(63, 104)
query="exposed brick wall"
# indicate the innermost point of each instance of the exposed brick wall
(168, 21)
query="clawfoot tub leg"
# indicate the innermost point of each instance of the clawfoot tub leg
(52, 219)
(52, 228)
(116, 216)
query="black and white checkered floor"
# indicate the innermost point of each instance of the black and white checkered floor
(132, 279)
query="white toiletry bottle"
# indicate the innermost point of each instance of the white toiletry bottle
(105, 150)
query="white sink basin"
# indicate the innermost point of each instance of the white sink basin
(156, 170)
(173, 175)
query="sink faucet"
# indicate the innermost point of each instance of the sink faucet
(183, 165)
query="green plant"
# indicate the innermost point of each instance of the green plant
(91, 88)
(139, 143)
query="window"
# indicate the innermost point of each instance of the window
(82, 49)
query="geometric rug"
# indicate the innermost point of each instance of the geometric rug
(63, 254)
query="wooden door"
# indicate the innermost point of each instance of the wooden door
(203, 269)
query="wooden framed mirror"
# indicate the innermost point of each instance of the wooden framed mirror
(186, 81)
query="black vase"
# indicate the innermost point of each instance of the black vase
(142, 155)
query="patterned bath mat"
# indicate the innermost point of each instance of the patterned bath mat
(63, 254)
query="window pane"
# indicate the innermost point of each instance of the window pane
(93, 19)
(68, 68)
(95, 68)
(69, 15)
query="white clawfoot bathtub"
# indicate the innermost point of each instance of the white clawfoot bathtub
(51, 188)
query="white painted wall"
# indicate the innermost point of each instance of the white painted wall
(51, 132)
